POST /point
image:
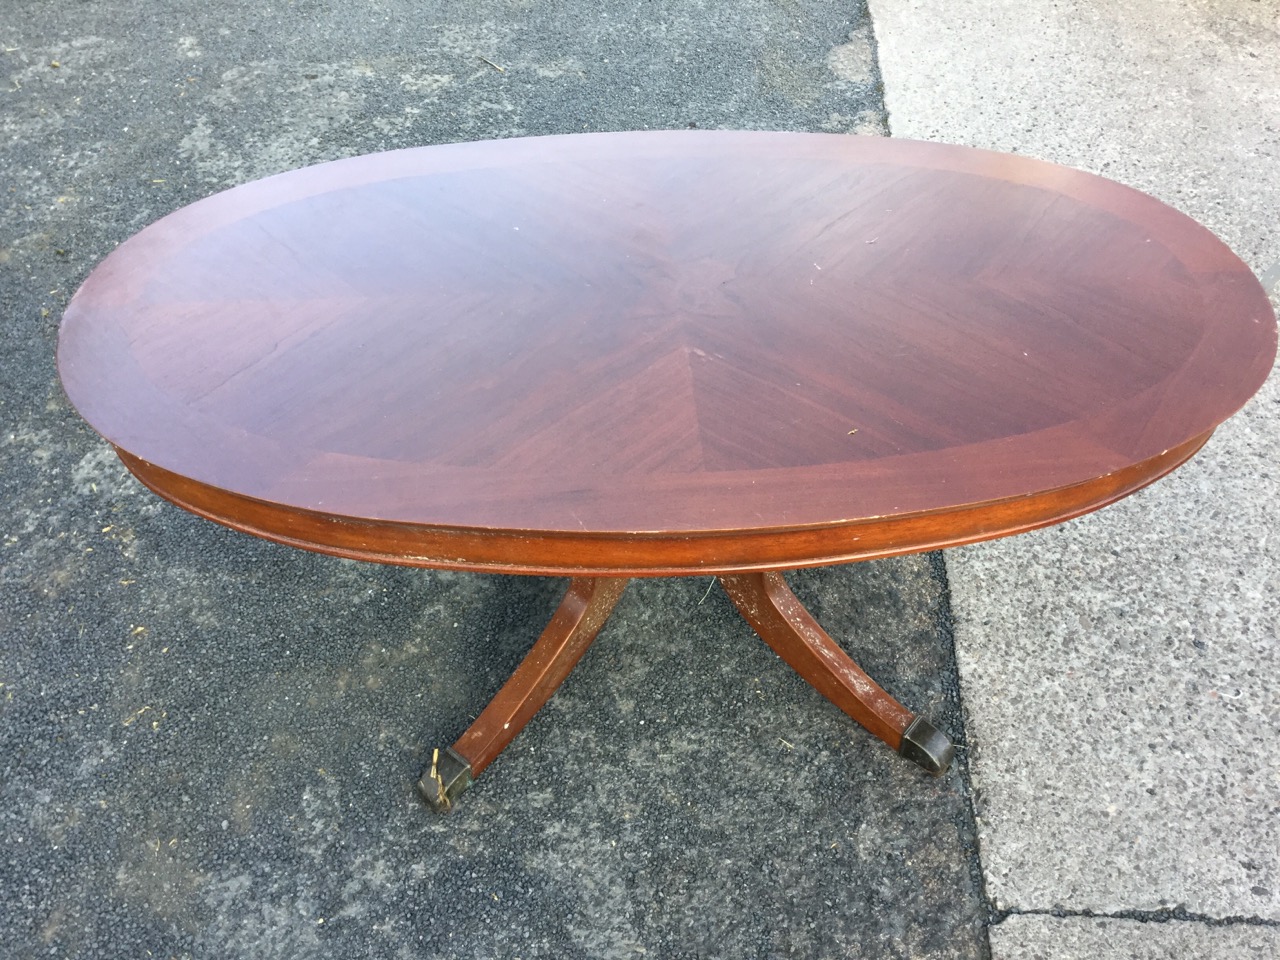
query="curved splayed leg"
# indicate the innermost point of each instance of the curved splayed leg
(767, 603)
(581, 614)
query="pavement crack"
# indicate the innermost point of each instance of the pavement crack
(1163, 915)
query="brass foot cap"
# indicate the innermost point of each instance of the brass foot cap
(445, 780)
(924, 744)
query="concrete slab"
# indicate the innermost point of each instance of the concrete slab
(1121, 674)
(207, 742)
(1069, 938)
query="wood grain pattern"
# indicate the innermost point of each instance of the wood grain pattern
(663, 352)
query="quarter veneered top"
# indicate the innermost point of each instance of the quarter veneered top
(674, 335)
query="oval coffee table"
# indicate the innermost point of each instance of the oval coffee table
(650, 354)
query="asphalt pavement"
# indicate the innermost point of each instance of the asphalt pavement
(208, 742)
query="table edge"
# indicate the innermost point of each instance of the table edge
(651, 554)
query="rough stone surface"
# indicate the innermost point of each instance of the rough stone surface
(207, 742)
(1121, 673)
(1069, 938)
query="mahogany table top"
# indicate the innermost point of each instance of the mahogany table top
(665, 352)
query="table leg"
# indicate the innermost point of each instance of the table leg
(581, 614)
(767, 603)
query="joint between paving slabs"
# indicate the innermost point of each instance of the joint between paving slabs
(1163, 915)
